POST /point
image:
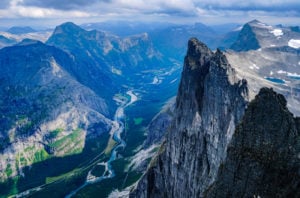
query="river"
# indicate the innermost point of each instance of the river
(116, 131)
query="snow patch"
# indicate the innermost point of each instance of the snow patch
(271, 73)
(272, 45)
(254, 66)
(281, 72)
(289, 74)
(293, 75)
(294, 43)
(277, 32)
(259, 50)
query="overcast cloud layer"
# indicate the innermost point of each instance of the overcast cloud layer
(176, 11)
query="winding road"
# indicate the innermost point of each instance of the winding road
(116, 131)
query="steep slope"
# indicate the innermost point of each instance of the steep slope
(263, 157)
(44, 111)
(210, 102)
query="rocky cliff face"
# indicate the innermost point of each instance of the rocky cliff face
(263, 158)
(210, 102)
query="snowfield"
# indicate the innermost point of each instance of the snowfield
(294, 43)
(277, 32)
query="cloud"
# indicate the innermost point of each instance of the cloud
(15, 11)
(60, 4)
(270, 5)
(161, 10)
(163, 6)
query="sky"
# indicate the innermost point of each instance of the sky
(49, 13)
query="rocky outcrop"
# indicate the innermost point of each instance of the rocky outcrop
(263, 158)
(210, 102)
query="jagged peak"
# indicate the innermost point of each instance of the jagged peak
(198, 53)
(195, 45)
(268, 94)
(220, 59)
(218, 52)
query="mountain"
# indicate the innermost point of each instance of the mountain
(209, 104)
(263, 156)
(21, 30)
(134, 52)
(274, 62)
(45, 114)
(255, 35)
